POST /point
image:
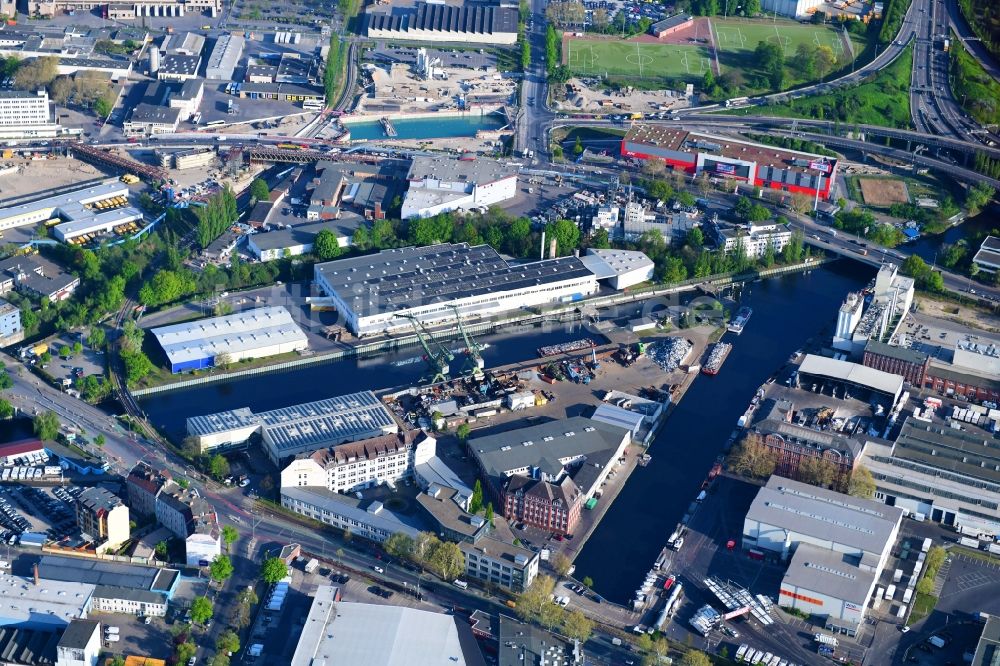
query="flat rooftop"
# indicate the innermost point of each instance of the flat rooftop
(358, 633)
(20, 598)
(408, 277)
(893, 351)
(479, 171)
(521, 644)
(830, 573)
(971, 452)
(71, 207)
(852, 373)
(672, 139)
(98, 572)
(824, 514)
(361, 511)
(231, 334)
(545, 445)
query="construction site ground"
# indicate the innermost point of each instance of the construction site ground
(35, 176)
(590, 95)
(399, 84)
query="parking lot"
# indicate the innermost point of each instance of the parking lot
(31, 509)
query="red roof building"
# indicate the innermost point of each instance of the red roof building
(727, 158)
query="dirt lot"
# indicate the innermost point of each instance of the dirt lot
(45, 173)
(963, 315)
(883, 191)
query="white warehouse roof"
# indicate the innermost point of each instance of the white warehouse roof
(74, 209)
(359, 633)
(614, 263)
(853, 373)
(51, 601)
(235, 334)
(861, 524)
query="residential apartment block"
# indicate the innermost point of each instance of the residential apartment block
(143, 484)
(103, 516)
(357, 465)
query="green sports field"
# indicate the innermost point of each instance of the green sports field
(637, 59)
(737, 38)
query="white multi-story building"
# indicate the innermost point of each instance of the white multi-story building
(501, 564)
(365, 518)
(11, 330)
(848, 318)
(26, 114)
(891, 299)
(113, 599)
(366, 463)
(440, 185)
(24, 108)
(755, 238)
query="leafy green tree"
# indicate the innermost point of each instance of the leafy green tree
(259, 190)
(161, 550)
(476, 502)
(273, 570)
(102, 107)
(447, 560)
(229, 535)
(759, 213)
(221, 568)
(46, 425)
(218, 466)
(184, 651)
(463, 431)
(326, 246)
(99, 440)
(862, 484)
(695, 658)
(399, 545)
(65, 352)
(228, 642)
(201, 610)
(489, 514)
(577, 626)
(6, 409)
(77, 348)
(137, 365)
(578, 147)
(743, 207)
(566, 233)
(588, 582)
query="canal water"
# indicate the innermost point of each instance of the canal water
(169, 410)
(428, 128)
(787, 311)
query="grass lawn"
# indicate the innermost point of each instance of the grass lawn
(739, 37)
(923, 604)
(636, 59)
(882, 99)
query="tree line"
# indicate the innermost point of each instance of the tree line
(216, 216)
(754, 459)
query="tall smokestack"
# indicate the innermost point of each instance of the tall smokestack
(541, 254)
(36, 574)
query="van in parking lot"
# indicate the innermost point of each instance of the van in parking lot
(461, 584)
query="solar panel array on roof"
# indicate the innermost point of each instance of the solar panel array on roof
(334, 419)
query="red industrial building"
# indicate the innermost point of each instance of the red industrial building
(730, 159)
(909, 363)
